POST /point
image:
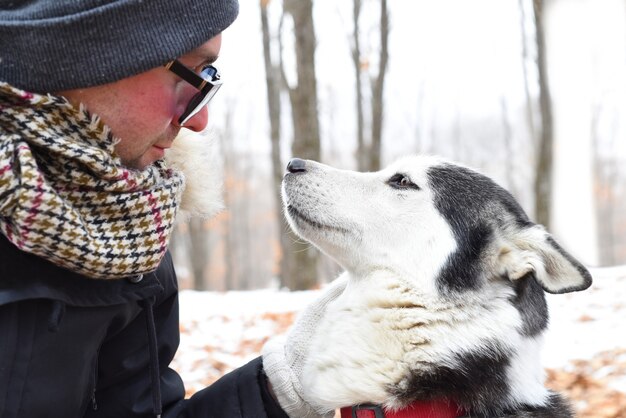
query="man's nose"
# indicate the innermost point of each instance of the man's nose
(199, 121)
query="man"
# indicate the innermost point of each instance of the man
(92, 93)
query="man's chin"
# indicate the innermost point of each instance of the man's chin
(139, 164)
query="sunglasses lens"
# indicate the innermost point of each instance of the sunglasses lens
(197, 102)
(210, 73)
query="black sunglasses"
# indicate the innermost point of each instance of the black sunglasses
(208, 82)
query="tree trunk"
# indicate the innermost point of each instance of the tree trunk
(272, 80)
(606, 182)
(229, 239)
(530, 117)
(306, 141)
(508, 147)
(378, 90)
(361, 149)
(543, 180)
(303, 96)
(198, 252)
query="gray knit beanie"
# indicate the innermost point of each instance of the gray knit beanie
(53, 45)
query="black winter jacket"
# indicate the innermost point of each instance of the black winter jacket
(77, 347)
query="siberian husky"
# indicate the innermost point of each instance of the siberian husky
(445, 297)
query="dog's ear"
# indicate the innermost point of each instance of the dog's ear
(531, 250)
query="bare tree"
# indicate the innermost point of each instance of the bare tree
(530, 117)
(273, 83)
(303, 95)
(361, 150)
(543, 172)
(508, 146)
(606, 190)
(198, 251)
(302, 273)
(229, 239)
(369, 149)
(244, 237)
(378, 89)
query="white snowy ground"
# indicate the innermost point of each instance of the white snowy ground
(585, 324)
(221, 331)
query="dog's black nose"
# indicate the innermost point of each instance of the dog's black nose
(296, 165)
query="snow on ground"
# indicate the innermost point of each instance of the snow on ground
(584, 324)
(585, 348)
(222, 330)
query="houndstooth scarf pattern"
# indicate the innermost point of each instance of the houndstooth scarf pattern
(65, 196)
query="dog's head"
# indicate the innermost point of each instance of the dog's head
(423, 217)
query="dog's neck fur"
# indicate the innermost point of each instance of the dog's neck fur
(418, 337)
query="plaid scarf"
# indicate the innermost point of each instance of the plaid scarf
(65, 196)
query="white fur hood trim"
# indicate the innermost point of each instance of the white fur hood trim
(196, 155)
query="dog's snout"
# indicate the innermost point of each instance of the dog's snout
(296, 165)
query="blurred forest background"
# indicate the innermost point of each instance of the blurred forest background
(530, 92)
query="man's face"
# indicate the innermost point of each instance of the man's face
(143, 110)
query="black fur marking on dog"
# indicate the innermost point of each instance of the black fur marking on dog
(471, 204)
(531, 303)
(463, 270)
(475, 380)
(556, 407)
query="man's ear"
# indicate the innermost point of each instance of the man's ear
(531, 250)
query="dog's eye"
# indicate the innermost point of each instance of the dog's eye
(402, 181)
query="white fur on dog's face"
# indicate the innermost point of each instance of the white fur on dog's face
(366, 224)
(446, 276)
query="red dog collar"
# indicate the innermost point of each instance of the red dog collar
(418, 409)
